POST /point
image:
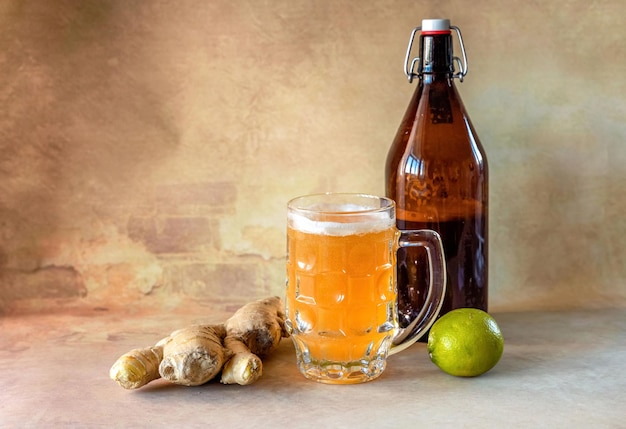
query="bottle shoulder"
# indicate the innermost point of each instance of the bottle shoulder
(437, 122)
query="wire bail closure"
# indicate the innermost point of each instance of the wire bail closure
(409, 71)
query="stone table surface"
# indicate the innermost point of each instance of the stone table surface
(559, 369)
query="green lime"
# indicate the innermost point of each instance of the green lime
(465, 342)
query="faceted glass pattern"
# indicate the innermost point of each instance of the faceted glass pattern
(341, 303)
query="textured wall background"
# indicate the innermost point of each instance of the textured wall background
(147, 148)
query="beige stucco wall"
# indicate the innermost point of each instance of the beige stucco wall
(147, 148)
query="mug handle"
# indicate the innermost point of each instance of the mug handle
(431, 241)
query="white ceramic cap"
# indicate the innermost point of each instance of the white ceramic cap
(435, 25)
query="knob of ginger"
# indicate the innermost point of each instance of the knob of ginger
(244, 367)
(196, 354)
(137, 367)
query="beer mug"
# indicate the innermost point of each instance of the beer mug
(341, 298)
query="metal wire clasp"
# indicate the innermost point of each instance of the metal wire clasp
(409, 70)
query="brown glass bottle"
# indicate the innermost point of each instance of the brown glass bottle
(436, 172)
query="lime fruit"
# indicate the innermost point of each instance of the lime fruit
(465, 342)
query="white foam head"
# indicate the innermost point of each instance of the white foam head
(340, 220)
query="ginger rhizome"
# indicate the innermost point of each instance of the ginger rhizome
(196, 354)
(254, 330)
(137, 367)
(244, 367)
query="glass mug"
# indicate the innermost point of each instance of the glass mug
(341, 298)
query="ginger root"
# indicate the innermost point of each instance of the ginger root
(254, 329)
(259, 325)
(137, 367)
(193, 355)
(196, 354)
(243, 367)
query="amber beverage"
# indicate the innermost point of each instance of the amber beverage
(341, 284)
(349, 294)
(437, 174)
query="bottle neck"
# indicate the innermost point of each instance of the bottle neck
(436, 56)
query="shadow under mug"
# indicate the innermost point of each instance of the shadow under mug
(341, 298)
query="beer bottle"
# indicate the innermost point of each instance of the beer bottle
(436, 171)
